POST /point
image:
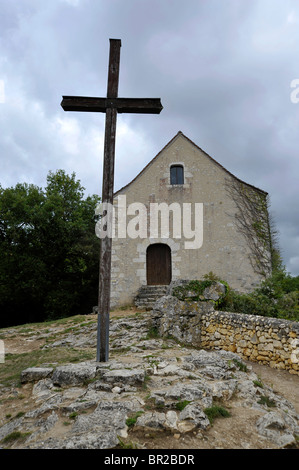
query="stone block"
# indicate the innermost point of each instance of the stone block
(73, 374)
(124, 376)
(33, 374)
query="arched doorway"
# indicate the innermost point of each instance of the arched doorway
(158, 264)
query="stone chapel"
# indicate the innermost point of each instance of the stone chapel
(184, 216)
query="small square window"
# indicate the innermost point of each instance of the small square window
(176, 174)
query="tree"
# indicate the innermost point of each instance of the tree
(49, 250)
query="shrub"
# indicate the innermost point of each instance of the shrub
(15, 436)
(277, 297)
(216, 411)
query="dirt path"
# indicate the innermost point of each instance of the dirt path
(282, 382)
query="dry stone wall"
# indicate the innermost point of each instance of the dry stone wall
(270, 341)
(260, 339)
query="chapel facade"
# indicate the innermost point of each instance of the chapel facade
(184, 216)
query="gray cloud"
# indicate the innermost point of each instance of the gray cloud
(222, 70)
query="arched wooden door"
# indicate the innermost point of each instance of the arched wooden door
(158, 264)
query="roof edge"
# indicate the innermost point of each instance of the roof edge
(149, 163)
(180, 133)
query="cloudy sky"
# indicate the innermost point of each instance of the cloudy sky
(226, 71)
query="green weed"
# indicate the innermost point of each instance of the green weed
(216, 411)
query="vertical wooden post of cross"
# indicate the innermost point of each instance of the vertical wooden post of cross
(111, 105)
(107, 197)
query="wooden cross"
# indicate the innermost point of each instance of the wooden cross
(111, 106)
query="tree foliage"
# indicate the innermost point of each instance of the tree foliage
(277, 297)
(49, 250)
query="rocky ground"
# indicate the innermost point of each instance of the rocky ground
(152, 394)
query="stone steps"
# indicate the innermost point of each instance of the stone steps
(148, 295)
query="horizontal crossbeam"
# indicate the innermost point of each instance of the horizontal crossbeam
(122, 105)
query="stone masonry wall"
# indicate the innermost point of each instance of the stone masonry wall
(225, 250)
(270, 341)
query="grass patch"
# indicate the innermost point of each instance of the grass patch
(14, 364)
(216, 412)
(265, 400)
(180, 405)
(241, 366)
(126, 445)
(115, 350)
(52, 356)
(258, 383)
(15, 436)
(130, 422)
(152, 333)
